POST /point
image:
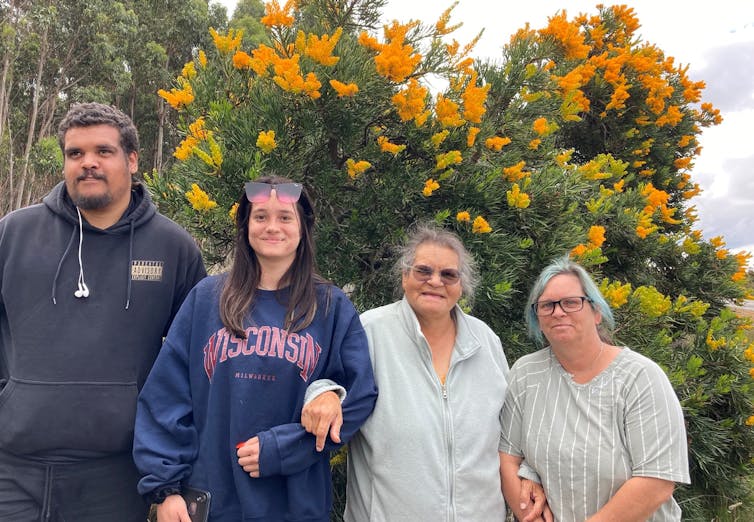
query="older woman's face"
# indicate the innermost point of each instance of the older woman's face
(562, 327)
(432, 298)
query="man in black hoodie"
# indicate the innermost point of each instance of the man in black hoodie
(90, 280)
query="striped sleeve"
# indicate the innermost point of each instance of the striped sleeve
(654, 426)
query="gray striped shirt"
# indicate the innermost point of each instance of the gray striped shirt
(585, 440)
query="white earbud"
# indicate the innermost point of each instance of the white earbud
(83, 291)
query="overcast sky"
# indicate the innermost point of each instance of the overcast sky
(716, 40)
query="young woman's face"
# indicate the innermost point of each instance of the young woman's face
(274, 230)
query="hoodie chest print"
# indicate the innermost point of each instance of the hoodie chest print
(143, 270)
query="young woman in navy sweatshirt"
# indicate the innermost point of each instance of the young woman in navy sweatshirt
(221, 408)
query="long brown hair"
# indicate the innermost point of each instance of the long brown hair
(237, 297)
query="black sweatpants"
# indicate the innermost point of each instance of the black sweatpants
(96, 490)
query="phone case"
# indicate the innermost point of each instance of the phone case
(197, 502)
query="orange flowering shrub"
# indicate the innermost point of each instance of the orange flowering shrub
(579, 141)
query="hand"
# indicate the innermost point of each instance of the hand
(321, 414)
(173, 509)
(248, 456)
(533, 503)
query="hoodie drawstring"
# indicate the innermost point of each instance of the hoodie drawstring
(130, 264)
(60, 264)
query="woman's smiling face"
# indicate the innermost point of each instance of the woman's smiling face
(432, 298)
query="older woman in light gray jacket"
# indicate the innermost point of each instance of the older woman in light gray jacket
(429, 451)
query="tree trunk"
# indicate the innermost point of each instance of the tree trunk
(43, 50)
(48, 116)
(5, 74)
(159, 136)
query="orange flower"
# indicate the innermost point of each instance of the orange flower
(471, 136)
(410, 102)
(241, 60)
(596, 235)
(320, 49)
(178, 98)
(447, 112)
(515, 172)
(227, 43)
(567, 34)
(430, 186)
(356, 168)
(262, 58)
(386, 146)
(344, 89)
(579, 250)
(463, 216)
(540, 126)
(275, 15)
(480, 226)
(473, 100)
(395, 61)
(496, 143)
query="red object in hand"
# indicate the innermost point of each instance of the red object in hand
(242, 443)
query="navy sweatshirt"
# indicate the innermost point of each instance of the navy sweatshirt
(210, 390)
(71, 368)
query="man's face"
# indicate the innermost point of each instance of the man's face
(96, 168)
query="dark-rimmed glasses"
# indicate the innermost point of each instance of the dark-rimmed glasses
(258, 192)
(567, 304)
(423, 273)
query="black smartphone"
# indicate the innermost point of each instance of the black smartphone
(197, 502)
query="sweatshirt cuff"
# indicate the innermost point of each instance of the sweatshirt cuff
(321, 386)
(270, 462)
(158, 496)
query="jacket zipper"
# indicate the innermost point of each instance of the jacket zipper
(450, 440)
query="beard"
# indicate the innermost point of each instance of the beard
(92, 202)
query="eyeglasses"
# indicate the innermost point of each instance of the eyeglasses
(258, 192)
(448, 276)
(567, 304)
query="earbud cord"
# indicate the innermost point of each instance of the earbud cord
(82, 284)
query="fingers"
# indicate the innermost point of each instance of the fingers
(534, 492)
(323, 415)
(248, 456)
(538, 495)
(320, 433)
(525, 493)
(173, 509)
(335, 428)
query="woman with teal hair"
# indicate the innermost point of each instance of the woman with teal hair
(598, 423)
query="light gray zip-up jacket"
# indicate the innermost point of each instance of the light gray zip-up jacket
(429, 452)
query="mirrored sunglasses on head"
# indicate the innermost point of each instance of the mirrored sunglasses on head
(259, 192)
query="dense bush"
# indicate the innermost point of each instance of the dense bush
(579, 140)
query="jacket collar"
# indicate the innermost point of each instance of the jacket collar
(466, 342)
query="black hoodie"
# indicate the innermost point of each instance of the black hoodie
(70, 367)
